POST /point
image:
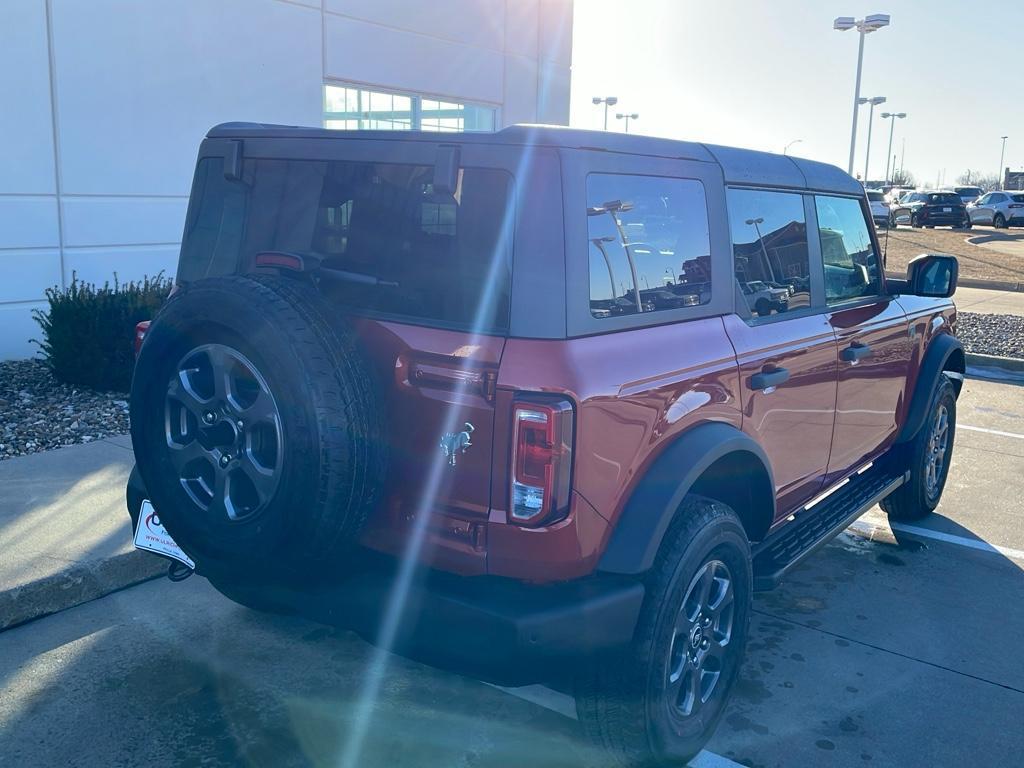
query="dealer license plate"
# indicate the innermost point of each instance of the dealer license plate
(947, 210)
(151, 536)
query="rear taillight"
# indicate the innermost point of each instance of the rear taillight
(140, 336)
(542, 437)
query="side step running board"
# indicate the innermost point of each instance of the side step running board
(816, 526)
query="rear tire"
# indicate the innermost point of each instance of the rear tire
(282, 476)
(659, 700)
(927, 457)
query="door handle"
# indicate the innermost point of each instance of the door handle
(854, 353)
(768, 378)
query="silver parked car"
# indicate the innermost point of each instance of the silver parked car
(1000, 209)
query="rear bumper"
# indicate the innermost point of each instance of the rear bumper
(505, 631)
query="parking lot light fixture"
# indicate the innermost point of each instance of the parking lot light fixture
(873, 101)
(893, 117)
(864, 26)
(608, 101)
(627, 118)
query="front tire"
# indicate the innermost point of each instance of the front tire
(999, 222)
(927, 457)
(914, 222)
(659, 700)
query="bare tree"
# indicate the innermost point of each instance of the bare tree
(903, 178)
(987, 181)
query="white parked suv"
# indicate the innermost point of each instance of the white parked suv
(1000, 209)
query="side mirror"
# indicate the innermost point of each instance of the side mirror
(933, 275)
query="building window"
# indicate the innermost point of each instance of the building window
(351, 108)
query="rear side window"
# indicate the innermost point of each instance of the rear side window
(649, 244)
(416, 255)
(851, 264)
(1017, 198)
(770, 255)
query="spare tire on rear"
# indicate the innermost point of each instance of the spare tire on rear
(256, 425)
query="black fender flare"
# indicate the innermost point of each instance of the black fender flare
(656, 498)
(940, 350)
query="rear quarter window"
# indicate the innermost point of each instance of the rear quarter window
(649, 244)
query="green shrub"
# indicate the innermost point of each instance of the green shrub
(88, 331)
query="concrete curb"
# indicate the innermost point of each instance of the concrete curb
(78, 583)
(973, 282)
(995, 368)
(992, 285)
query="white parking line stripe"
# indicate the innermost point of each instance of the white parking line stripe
(564, 704)
(990, 431)
(927, 533)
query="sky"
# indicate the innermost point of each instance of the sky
(762, 74)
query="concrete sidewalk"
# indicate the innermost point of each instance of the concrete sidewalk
(988, 301)
(65, 536)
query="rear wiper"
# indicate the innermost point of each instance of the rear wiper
(312, 263)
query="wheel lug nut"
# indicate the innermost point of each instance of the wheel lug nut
(707, 621)
(239, 424)
(209, 417)
(225, 459)
(704, 645)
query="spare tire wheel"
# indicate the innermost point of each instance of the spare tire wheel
(256, 425)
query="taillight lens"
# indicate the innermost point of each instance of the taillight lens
(140, 336)
(541, 461)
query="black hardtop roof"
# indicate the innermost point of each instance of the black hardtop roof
(739, 166)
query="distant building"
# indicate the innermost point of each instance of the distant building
(1013, 179)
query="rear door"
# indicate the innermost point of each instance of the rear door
(787, 355)
(872, 333)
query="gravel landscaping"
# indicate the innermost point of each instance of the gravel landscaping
(38, 413)
(1001, 335)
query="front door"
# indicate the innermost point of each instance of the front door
(786, 350)
(872, 333)
(982, 212)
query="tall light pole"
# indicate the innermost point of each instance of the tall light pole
(785, 149)
(1002, 156)
(864, 26)
(608, 101)
(873, 101)
(892, 117)
(632, 116)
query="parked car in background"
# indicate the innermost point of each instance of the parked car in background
(932, 209)
(1000, 209)
(969, 194)
(880, 212)
(895, 194)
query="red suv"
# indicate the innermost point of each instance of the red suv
(523, 398)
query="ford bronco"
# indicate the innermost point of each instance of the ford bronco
(515, 403)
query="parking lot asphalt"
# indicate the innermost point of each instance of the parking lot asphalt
(890, 647)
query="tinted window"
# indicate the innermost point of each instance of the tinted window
(649, 244)
(876, 197)
(770, 256)
(404, 250)
(1017, 198)
(851, 264)
(944, 198)
(997, 198)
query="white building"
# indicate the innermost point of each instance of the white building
(103, 104)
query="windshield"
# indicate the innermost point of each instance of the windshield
(970, 192)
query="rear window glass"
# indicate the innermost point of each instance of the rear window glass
(876, 197)
(396, 247)
(944, 198)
